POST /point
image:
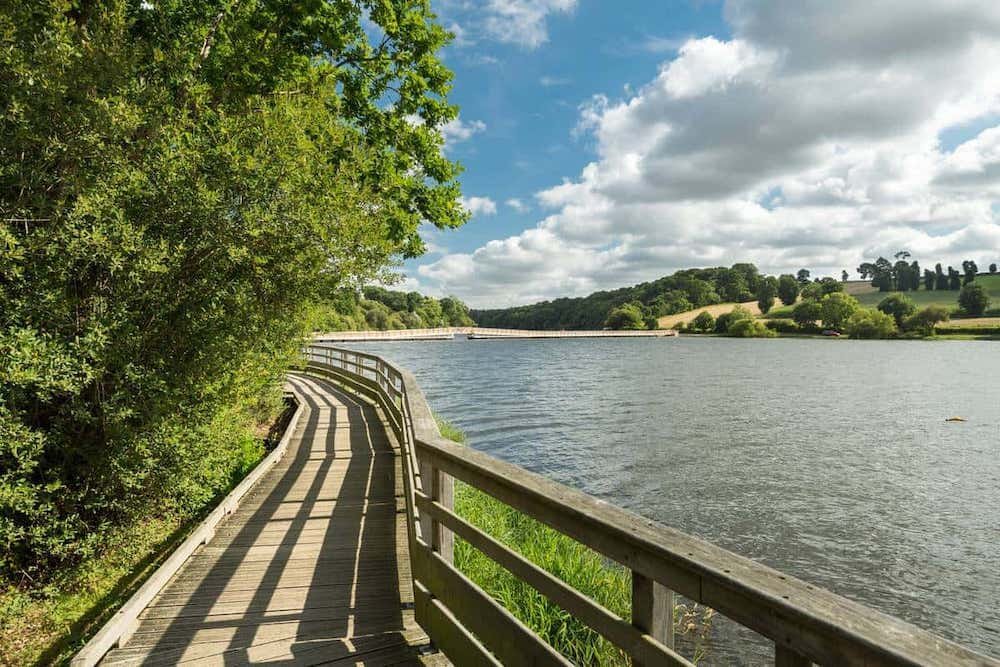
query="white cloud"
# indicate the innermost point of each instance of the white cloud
(517, 205)
(479, 205)
(457, 131)
(522, 22)
(810, 138)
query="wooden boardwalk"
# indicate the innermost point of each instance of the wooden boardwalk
(313, 568)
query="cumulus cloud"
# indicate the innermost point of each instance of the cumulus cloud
(517, 205)
(479, 205)
(456, 131)
(522, 22)
(809, 138)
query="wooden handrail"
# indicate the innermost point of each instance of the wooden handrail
(806, 623)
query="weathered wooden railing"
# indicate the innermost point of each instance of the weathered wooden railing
(807, 624)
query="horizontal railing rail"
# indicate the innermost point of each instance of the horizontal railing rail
(806, 623)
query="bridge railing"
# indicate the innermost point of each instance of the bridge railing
(806, 623)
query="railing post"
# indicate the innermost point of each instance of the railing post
(441, 489)
(652, 609)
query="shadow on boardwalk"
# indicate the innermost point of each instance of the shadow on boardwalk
(311, 569)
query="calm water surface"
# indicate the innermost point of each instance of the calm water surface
(830, 460)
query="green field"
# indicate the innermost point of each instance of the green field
(947, 298)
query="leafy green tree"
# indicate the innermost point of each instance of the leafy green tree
(803, 276)
(954, 279)
(970, 269)
(766, 291)
(929, 281)
(807, 313)
(836, 308)
(703, 322)
(993, 268)
(788, 289)
(732, 286)
(899, 306)
(844, 276)
(179, 185)
(750, 328)
(924, 321)
(914, 275)
(725, 320)
(941, 281)
(455, 313)
(974, 299)
(869, 323)
(628, 316)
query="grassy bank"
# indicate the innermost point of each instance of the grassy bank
(585, 570)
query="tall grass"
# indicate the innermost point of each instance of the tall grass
(606, 582)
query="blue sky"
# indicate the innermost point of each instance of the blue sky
(606, 143)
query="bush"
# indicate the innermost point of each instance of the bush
(870, 323)
(749, 328)
(703, 322)
(782, 325)
(725, 320)
(925, 320)
(899, 306)
(974, 299)
(836, 308)
(626, 317)
(806, 314)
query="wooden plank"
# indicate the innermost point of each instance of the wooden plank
(118, 629)
(652, 613)
(449, 634)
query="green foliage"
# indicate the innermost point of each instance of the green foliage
(782, 325)
(381, 309)
(924, 321)
(703, 322)
(836, 309)
(766, 293)
(899, 306)
(868, 323)
(973, 299)
(682, 291)
(750, 328)
(724, 321)
(628, 316)
(177, 184)
(807, 313)
(788, 289)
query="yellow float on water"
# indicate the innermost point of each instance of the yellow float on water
(955, 419)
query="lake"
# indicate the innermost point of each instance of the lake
(828, 459)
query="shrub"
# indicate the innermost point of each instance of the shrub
(973, 299)
(749, 328)
(899, 306)
(925, 320)
(836, 308)
(782, 325)
(628, 316)
(703, 322)
(870, 323)
(806, 314)
(725, 320)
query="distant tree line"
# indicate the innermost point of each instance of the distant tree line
(378, 308)
(633, 307)
(904, 276)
